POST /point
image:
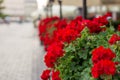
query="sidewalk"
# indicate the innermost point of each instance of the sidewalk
(20, 52)
(38, 57)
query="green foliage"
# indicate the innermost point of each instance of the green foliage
(76, 63)
(3, 15)
(1, 8)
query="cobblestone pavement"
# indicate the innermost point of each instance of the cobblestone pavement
(21, 56)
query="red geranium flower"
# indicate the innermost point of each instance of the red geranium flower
(69, 35)
(45, 75)
(54, 51)
(108, 14)
(114, 38)
(45, 30)
(95, 24)
(66, 35)
(61, 24)
(50, 59)
(55, 75)
(56, 48)
(77, 26)
(103, 67)
(102, 53)
(94, 27)
(102, 20)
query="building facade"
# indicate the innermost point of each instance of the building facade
(14, 7)
(19, 7)
(30, 7)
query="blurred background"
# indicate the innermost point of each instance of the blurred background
(26, 10)
(21, 55)
(17, 10)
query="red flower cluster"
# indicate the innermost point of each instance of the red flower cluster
(45, 75)
(76, 20)
(94, 26)
(45, 29)
(61, 24)
(102, 20)
(108, 14)
(102, 62)
(74, 27)
(103, 67)
(60, 35)
(55, 75)
(45, 23)
(102, 53)
(114, 38)
(54, 33)
(54, 51)
(66, 35)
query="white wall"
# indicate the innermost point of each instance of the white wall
(19, 7)
(15, 7)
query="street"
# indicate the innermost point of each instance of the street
(21, 56)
